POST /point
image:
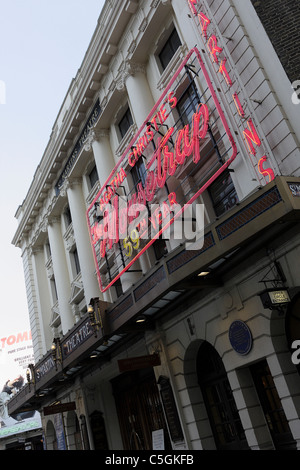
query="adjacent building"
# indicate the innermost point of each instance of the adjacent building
(160, 234)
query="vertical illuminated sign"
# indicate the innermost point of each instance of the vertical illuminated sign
(250, 134)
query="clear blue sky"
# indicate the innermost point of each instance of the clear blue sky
(42, 45)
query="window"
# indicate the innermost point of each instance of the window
(76, 261)
(187, 105)
(138, 173)
(223, 194)
(48, 250)
(272, 407)
(68, 217)
(169, 48)
(125, 122)
(222, 191)
(93, 176)
(53, 289)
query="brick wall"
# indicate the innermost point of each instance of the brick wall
(281, 20)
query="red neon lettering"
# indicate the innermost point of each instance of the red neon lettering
(189, 143)
(251, 136)
(214, 49)
(238, 105)
(172, 99)
(265, 172)
(114, 184)
(103, 248)
(151, 184)
(159, 118)
(153, 120)
(162, 114)
(183, 146)
(115, 220)
(167, 167)
(224, 72)
(133, 154)
(204, 23)
(141, 195)
(96, 232)
(192, 4)
(172, 199)
(204, 113)
(149, 133)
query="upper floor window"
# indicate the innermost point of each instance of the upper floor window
(53, 289)
(75, 261)
(93, 176)
(48, 250)
(187, 105)
(68, 217)
(125, 122)
(138, 173)
(222, 191)
(169, 49)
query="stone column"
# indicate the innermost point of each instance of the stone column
(81, 234)
(134, 78)
(43, 297)
(61, 273)
(140, 96)
(98, 140)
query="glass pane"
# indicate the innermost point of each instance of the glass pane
(223, 194)
(169, 48)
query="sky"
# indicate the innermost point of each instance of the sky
(42, 45)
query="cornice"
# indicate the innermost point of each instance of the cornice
(82, 94)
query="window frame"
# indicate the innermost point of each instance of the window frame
(170, 47)
(126, 116)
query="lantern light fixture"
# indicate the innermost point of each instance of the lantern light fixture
(56, 352)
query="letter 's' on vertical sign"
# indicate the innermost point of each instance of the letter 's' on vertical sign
(176, 140)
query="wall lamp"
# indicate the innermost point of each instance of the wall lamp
(30, 375)
(96, 323)
(274, 298)
(56, 352)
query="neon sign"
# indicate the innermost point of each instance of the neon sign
(250, 134)
(166, 148)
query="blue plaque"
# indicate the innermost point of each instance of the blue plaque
(240, 337)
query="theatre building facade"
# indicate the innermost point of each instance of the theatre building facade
(160, 235)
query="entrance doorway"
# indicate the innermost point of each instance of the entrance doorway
(219, 401)
(140, 410)
(272, 407)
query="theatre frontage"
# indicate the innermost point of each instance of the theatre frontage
(162, 380)
(160, 240)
